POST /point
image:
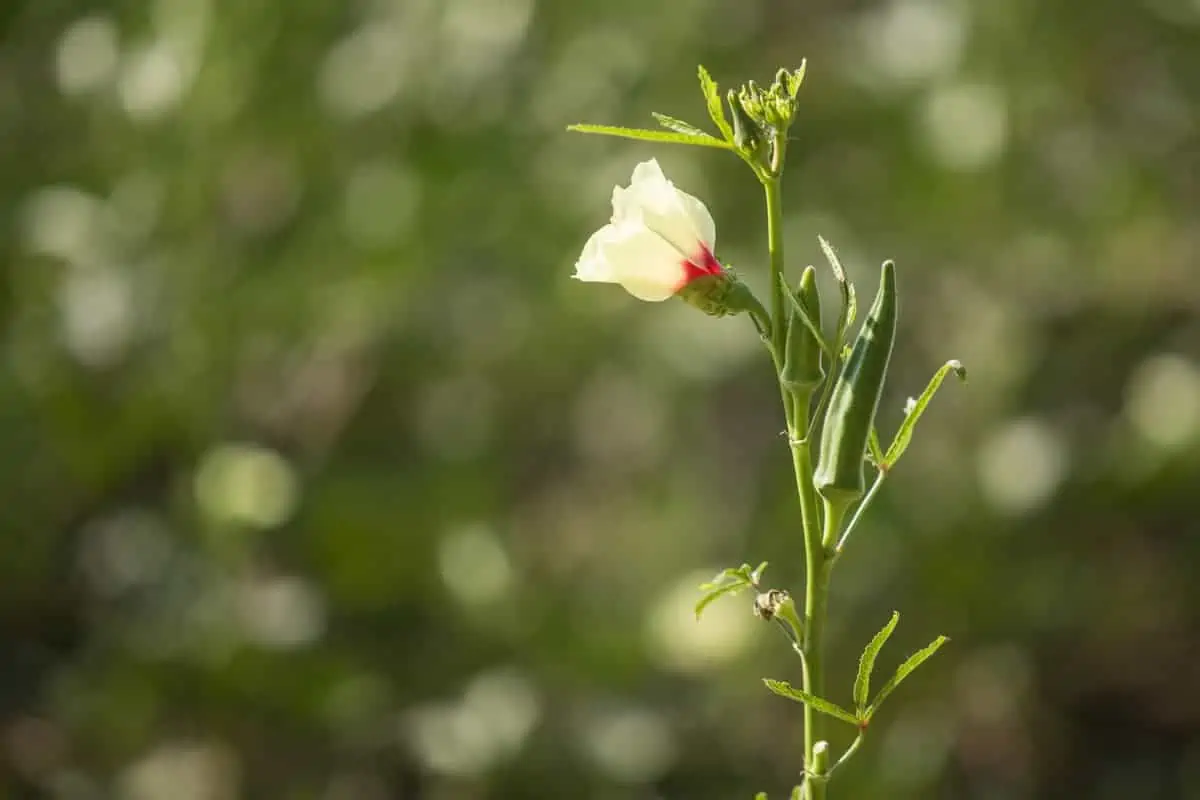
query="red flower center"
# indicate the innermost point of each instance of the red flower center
(705, 263)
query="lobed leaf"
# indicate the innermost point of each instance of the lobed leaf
(796, 77)
(730, 580)
(911, 663)
(813, 327)
(647, 135)
(785, 689)
(716, 594)
(679, 126)
(834, 262)
(913, 414)
(875, 448)
(716, 110)
(736, 574)
(866, 664)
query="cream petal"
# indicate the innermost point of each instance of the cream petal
(655, 230)
(648, 184)
(702, 221)
(676, 216)
(644, 263)
(592, 266)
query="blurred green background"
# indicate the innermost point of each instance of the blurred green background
(321, 478)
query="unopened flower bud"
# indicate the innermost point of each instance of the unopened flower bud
(748, 134)
(719, 294)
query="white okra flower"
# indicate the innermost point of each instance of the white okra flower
(659, 240)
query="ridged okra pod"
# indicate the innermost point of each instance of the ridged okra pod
(839, 476)
(802, 370)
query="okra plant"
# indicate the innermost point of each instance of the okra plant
(660, 244)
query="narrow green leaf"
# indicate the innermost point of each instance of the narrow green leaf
(757, 574)
(866, 664)
(700, 138)
(905, 433)
(834, 262)
(785, 689)
(915, 660)
(797, 793)
(796, 77)
(874, 447)
(729, 574)
(712, 98)
(679, 126)
(728, 581)
(646, 135)
(849, 298)
(851, 307)
(717, 593)
(809, 323)
(839, 350)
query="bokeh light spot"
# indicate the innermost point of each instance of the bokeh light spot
(912, 41)
(281, 613)
(630, 745)
(183, 771)
(682, 643)
(97, 314)
(246, 484)
(965, 126)
(87, 54)
(474, 565)
(1022, 464)
(1163, 401)
(152, 80)
(490, 724)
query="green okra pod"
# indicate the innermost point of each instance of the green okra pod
(839, 476)
(802, 369)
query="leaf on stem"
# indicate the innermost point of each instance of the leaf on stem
(849, 298)
(851, 308)
(875, 449)
(716, 594)
(813, 327)
(904, 434)
(742, 574)
(834, 262)
(915, 660)
(785, 689)
(669, 137)
(839, 351)
(716, 110)
(728, 581)
(678, 125)
(866, 664)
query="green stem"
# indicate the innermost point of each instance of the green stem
(779, 308)
(846, 756)
(862, 507)
(818, 566)
(796, 408)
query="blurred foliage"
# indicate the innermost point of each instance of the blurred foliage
(322, 479)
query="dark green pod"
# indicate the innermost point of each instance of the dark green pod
(848, 420)
(802, 370)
